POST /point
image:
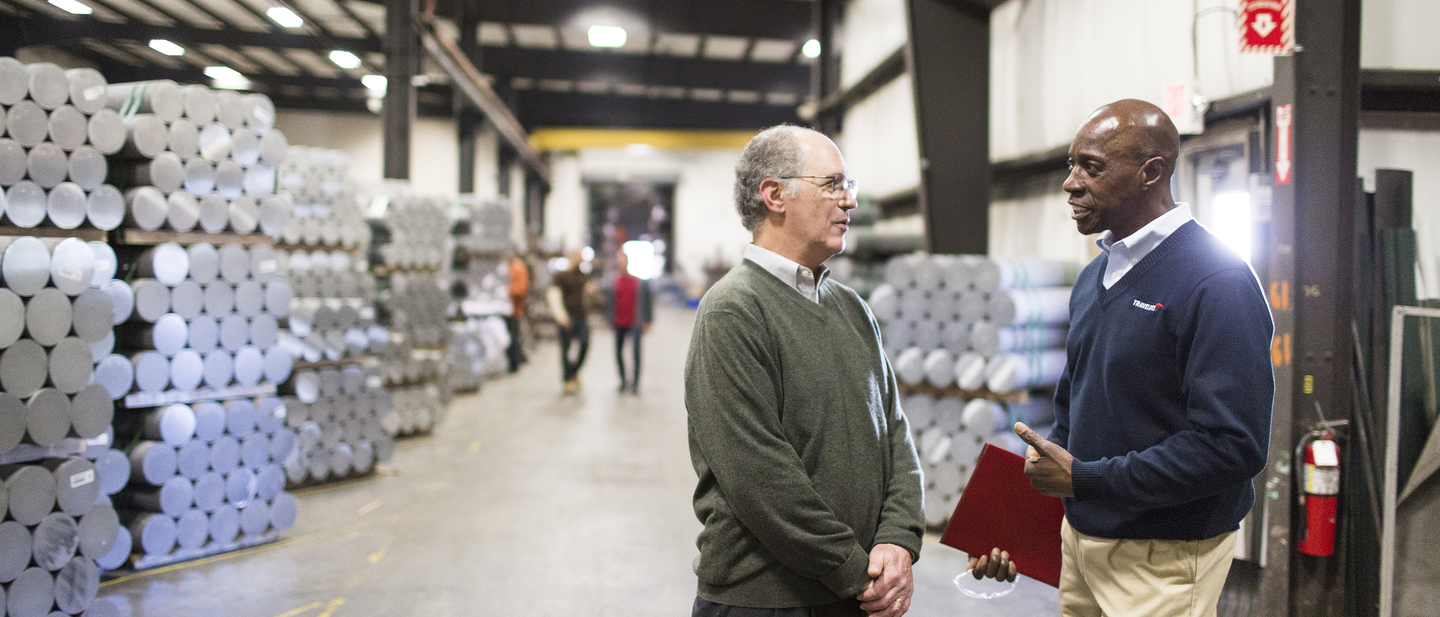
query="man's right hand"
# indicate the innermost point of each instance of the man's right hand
(996, 565)
(563, 323)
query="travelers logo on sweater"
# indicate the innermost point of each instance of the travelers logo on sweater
(1149, 307)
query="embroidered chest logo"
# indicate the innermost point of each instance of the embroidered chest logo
(1149, 307)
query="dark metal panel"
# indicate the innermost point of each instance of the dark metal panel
(949, 52)
(467, 120)
(538, 108)
(44, 30)
(781, 19)
(402, 61)
(825, 72)
(657, 70)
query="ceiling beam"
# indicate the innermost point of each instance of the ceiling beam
(541, 109)
(775, 19)
(655, 70)
(45, 30)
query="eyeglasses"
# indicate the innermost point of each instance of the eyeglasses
(835, 185)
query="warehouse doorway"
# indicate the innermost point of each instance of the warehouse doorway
(640, 212)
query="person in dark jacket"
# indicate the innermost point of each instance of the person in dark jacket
(631, 311)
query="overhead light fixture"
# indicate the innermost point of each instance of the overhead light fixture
(285, 17)
(607, 36)
(811, 49)
(374, 83)
(71, 6)
(166, 47)
(227, 78)
(345, 59)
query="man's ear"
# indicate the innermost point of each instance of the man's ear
(773, 192)
(1152, 172)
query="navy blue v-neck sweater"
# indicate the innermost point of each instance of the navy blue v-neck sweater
(1166, 398)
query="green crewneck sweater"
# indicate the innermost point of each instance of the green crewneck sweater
(804, 457)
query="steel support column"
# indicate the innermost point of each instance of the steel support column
(468, 120)
(825, 73)
(402, 61)
(949, 56)
(1311, 271)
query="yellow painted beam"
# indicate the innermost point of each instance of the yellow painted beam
(560, 138)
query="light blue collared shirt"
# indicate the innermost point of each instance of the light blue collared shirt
(794, 275)
(1124, 254)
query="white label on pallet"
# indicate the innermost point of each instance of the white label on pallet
(81, 479)
(373, 382)
(102, 440)
(268, 266)
(93, 92)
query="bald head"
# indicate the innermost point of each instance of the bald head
(1136, 129)
(1121, 162)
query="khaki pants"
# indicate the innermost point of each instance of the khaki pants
(1150, 578)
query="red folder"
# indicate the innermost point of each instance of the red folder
(999, 508)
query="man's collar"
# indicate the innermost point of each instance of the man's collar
(1164, 225)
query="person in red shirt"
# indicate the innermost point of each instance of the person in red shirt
(631, 310)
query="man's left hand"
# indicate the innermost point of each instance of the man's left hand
(891, 584)
(1046, 464)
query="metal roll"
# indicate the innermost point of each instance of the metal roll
(234, 332)
(269, 414)
(182, 211)
(27, 123)
(76, 585)
(245, 147)
(12, 318)
(105, 207)
(215, 142)
(71, 365)
(97, 531)
(214, 213)
(117, 556)
(156, 532)
(241, 486)
(234, 263)
(114, 470)
(32, 593)
(167, 335)
(249, 298)
(225, 454)
(146, 207)
(282, 445)
(165, 172)
(191, 529)
(255, 518)
(14, 85)
(47, 417)
(264, 263)
(209, 491)
(48, 86)
(72, 266)
(147, 136)
(364, 456)
(152, 371)
(162, 98)
(219, 299)
(200, 104)
(264, 331)
(187, 370)
(273, 148)
(65, 205)
(86, 167)
(12, 422)
(169, 263)
(87, 89)
(172, 424)
(230, 109)
(204, 262)
(122, 299)
(68, 127)
(173, 497)
(284, 509)
(55, 541)
(259, 113)
(240, 417)
(153, 462)
(209, 421)
(249, 366)
(48, 316)
(331, 382)
(224, 524)
(26, 204)
(277, 364)
(116, 374)
(77, 485)
(301, 319)
(244, 214)
(259, 183)
(342, 460)
(183, 138)
(305, 385)
(12, 162)
(200, 177)
(106, 131)
(91, 411)
(192, 459)
(187, 299)
(31, 493)
(970, 371)
(1009, 372)
(15, 548)
(219, 368)
(255, 451)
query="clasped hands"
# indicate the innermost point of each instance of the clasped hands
(891, 583)
(1048, 467)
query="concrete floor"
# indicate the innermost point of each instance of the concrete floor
(523, 502)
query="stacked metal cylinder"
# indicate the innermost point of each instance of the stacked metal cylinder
(325, 200)
(59, 530)
(345, 421)
(58, 128)
(482, 289)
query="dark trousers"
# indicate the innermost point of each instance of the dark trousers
(516, 352)
(843, 608)
(578, 332)
(621, 334)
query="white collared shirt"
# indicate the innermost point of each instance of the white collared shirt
(794, 275)
(1128, 252)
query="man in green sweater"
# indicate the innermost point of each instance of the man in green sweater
(809, 486)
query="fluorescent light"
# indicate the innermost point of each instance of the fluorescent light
(644, 263)
(1230, 220)
(71, 6)
(223, 73)
(285, 17)
(166, 47)
(607, 36)
(811, 49)
(374, 83)
(345, 59)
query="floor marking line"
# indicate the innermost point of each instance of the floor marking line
(380, 554)
(330, 610)
(251, 550)
(369, 507)
(296, 611)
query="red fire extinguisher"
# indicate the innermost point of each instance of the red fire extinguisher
(1320, 494)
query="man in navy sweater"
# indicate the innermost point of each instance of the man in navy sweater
(1163, 412)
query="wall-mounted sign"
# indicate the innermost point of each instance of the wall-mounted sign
(1284, 143)
(1267, 26)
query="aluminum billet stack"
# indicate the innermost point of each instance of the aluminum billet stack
(345, 421)
(478, 337)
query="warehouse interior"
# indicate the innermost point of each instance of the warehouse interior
(261, 344)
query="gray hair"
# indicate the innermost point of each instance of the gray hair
(775, 152)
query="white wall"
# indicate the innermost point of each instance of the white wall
(873, 29)
(1418, 151)
(1399, 34)
(880, 141)
(567, 206)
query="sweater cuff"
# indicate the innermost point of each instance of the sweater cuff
(908, 541)
(848, 579)
(1085, 479)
